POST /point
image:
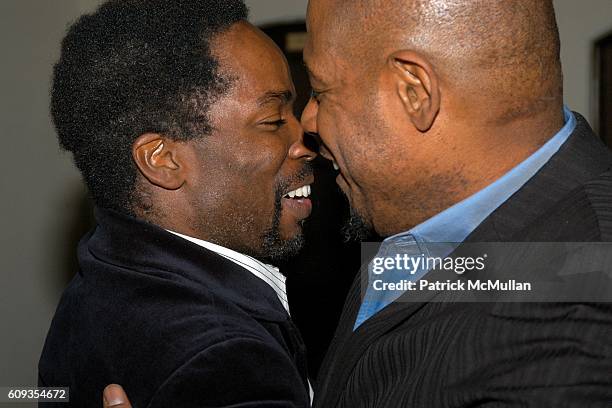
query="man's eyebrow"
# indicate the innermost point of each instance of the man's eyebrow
(284, 97)
(311, 74)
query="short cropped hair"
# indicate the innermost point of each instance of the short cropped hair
(133, 67)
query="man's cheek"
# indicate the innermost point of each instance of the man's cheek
(264, 207)
(263, 157)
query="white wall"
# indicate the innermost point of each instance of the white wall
(42, 193)
(262, 11)
(38, 184)
(580, 23)
(266, 11)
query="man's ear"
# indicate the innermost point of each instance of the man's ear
(417, 87)
(157, 158)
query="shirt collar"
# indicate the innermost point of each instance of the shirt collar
(457, 222)
(268, 273)
(453, 225)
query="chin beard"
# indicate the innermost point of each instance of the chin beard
(356, 228)
(276, 248)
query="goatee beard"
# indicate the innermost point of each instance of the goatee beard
(275, 248)
(356, 228)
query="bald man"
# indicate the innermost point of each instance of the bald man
(446, 121)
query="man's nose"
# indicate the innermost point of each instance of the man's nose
(309, 117)
(309, 123)
(301, 148)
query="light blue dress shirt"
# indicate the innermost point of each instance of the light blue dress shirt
(453, 225)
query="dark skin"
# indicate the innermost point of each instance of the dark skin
(222, 188)
(114, 396)
(413, 114)
(411, 117)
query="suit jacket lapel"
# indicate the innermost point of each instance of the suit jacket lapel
(126, 241)
(582, 157)
(347, 346)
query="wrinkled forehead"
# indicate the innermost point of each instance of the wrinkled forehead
(323, 50)
(322, 23)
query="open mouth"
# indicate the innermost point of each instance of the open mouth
(303, 191)
(297, 202)
(335, 165)
(340, 180)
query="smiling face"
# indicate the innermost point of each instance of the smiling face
(358, 123)
(247, 181)
(375, 108)
(419, 112)
(339, 116)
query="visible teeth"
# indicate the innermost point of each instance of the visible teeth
(336, 167)
(303, 191)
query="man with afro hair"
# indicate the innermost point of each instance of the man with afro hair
(179, 116)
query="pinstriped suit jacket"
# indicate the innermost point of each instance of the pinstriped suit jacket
(461, 355)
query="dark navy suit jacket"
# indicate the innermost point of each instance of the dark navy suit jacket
(175, 324)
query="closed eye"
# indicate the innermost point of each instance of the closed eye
(315, 95)
(277, 123)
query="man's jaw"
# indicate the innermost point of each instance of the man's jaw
(275, 247)
(356, 228)
(340, 178)
(292, 205)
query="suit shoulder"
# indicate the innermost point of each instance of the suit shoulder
(265, 375)
(104, 337)
(584, 214)
(599, 194)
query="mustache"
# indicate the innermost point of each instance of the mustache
(305, 172)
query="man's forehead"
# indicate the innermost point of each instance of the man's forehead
(322, 8)
(320, 39)
(324, 56)
(327, 25)
(315, 61)
(249, 56)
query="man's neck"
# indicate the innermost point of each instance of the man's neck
(492, 152)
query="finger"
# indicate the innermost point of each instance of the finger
(115, 397)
